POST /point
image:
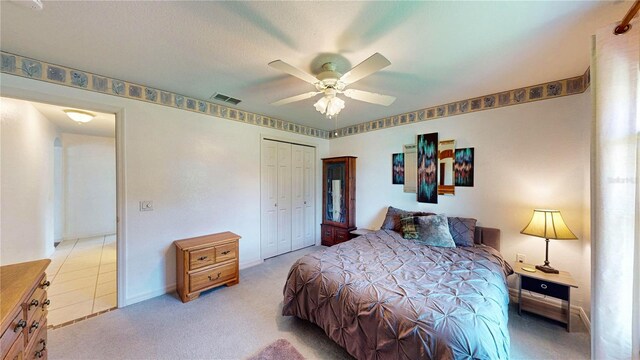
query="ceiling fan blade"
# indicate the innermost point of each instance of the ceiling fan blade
(374, 63)
(370, 97)
(292, 70)
(296, 98)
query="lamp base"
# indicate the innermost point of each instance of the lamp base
(547, 269)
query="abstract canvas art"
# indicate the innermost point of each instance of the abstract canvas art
(397, 172)
(427, 168)
(463, 167)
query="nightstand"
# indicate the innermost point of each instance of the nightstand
(554, 285)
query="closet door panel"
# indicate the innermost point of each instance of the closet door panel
(284, 198)
(269, 199)
(297, 197)
(308, 185)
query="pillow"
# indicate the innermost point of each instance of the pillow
(434, 231)
(462, 230)
(410, 228)
(393, 219)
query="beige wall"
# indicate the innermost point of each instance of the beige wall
(26, 167)
(528, 156)
(202, 174)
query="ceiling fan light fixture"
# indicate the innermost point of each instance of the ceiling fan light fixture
(79, 115)
(329, 105)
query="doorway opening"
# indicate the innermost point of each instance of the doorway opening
(74, 172)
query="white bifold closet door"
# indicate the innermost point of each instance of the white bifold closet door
(287, 197)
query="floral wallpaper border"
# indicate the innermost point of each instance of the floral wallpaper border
(40, 70)
(550, 90)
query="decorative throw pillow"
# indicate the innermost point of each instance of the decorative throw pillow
(462, 230)
(434, 231)
(410, 228)
(393, 219)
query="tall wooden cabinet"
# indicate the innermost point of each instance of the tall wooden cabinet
(287, 191)
(338, 199)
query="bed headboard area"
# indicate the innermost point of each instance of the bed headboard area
(487, 236)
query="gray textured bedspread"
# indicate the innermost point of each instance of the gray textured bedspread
(383, 297)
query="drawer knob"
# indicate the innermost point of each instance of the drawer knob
(211, 278)
(225, 252)
(34, 326)
(20, 325)
(33, 303)
(544, 286)
(45, 284)
(202, 258)
(46, 303)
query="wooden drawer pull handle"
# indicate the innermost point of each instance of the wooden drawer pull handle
(33, 303)
(225, 252)
(46, 303)
(34, 326)
(216, 278)
(20, 325)
(202, 258)
(544, 286)
(45, 284)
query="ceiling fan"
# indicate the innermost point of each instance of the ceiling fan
(331, 83)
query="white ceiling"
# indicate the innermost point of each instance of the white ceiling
(440, 51)
(102, 125)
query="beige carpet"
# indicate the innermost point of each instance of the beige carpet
(239, 321)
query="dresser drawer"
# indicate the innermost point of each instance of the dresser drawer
(225, 252)
(211, 277)
(33, 303)
(327, 234)
(340, 235)
(35, 325)
(545, 288)
(201, 258)
(16, 352)
(37, 348)
(15, 329)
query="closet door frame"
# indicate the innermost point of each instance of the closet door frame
(316, 191)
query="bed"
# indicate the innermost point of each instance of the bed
(384, 297)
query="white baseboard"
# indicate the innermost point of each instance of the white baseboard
(149, 295)
(84, 236)
(249, 264)
(585, 320)
(577, 310)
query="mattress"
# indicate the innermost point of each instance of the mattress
(383, 297)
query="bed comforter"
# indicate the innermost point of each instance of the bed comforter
(383, 297)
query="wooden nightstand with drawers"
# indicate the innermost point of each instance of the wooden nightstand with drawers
(205, 262)
(554, 285)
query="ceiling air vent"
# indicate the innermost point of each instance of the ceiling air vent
(225, 98)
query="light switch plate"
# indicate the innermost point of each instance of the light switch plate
(146, 205)
(521, 258)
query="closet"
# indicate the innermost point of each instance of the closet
(287, 191)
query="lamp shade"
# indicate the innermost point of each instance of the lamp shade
(548, 224)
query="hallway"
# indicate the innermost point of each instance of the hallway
(83, 278)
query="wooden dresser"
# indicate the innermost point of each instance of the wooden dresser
(205, 262)
(23, 309)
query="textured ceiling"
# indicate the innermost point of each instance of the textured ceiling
(440, 51)
(102, 125)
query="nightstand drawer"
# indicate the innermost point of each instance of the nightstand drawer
(545, 288)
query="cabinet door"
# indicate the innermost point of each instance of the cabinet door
(297, 197)
(309, 199)
(269, 199)
(284, 198)
(335, 192)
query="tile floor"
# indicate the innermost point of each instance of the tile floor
(83, 278)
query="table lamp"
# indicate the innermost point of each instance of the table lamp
(548, 224)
